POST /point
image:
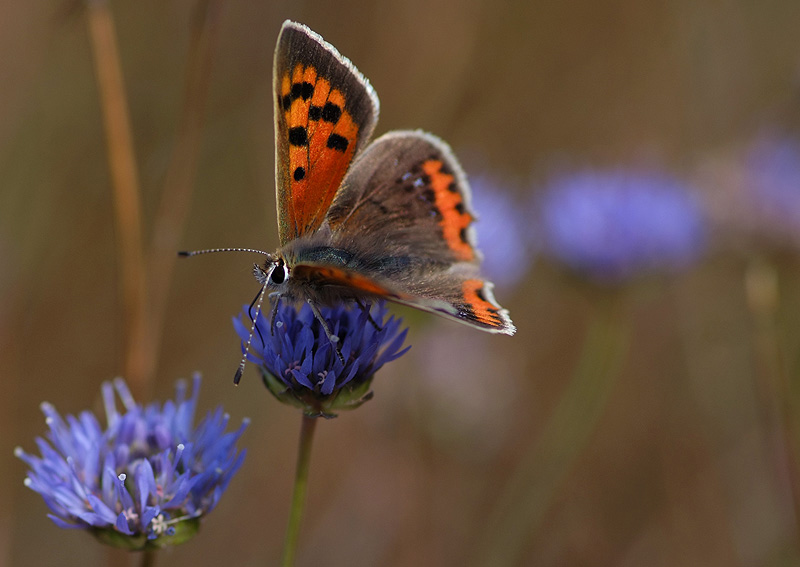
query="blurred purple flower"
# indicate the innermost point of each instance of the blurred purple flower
(612, 225)
(772, 183)
(503, 231)
(753, 193)
(144, 481)
(299, 364)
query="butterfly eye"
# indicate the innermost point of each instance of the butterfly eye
(279, 273)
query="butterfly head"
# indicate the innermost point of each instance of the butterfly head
(273, 274)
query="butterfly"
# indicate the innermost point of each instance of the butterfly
(389, 219)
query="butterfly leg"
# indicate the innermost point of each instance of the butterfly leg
(253, 328)
(253, 317)
(331, 337)
(365, 308)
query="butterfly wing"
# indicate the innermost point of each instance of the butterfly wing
(325, 111)
(454, 294)
(408, 191)
(401, 228)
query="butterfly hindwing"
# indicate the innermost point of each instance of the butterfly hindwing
(407, 192)
(463, 296)
(325, 111)
(400, 228)
(456, 293)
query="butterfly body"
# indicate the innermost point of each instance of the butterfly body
(390, 219)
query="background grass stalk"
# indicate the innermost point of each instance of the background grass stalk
(179, 183)
(126, 191)
(763, 299)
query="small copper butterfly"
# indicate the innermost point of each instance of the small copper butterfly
(356, 220)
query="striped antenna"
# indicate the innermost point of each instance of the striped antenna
(186, 254)
(260, 298)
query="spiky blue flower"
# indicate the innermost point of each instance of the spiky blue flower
(299, 363)
(146, 479)
(612, 225)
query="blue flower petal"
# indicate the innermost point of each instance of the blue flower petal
(145, 482)
(64, 524)
(104, 512)
(122, 524)
(121, 478)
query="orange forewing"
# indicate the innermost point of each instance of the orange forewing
(322, 141)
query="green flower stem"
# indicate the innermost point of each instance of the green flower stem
(521, 508)
(300, 486)
(761, 287)
(148, 558)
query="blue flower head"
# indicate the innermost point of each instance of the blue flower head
(300, 366)
(145, 480)
(503, 232)
(612, 225)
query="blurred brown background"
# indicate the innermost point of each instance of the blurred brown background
(684, 466)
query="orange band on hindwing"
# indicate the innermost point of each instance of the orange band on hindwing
(478, 306)
(322, 141)
(455, 219)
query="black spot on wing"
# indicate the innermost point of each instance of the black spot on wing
(302, 90)
(331, 113)
(298, 136)
(337, 142)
